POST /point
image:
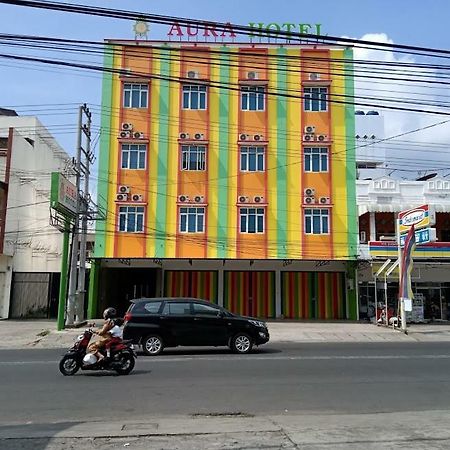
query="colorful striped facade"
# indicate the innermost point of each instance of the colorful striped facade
(222, 188)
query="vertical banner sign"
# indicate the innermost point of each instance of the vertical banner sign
(407, 264)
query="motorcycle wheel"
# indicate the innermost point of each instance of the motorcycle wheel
(125, 364)
(69, 365)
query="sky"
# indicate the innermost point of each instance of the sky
(412, 22)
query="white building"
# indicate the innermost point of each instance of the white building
(30, 260)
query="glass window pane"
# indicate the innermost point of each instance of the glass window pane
(183, 222)
(135, 98)
(126, 99)
(308, 163)
(142, 160)
(243, 223)
(124, 160)
(315, 163)
(140, 222)
(252, 101)
(131, 222)
(186, 100)
(260, 224)
(133, 160)
(179, 309)
(200, 223)
(324, 160)
(194, 100)
(191, 222)
(251, 223)
(144, 99)
(308, 224)
(244, 101)
(316, 224)
(261, 162)
(122, 220)
(252, 162)
(202, 101)
(324, 224)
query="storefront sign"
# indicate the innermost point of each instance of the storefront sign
(388, 249)
(422, 236)
(258, 29)
(420, 217)
(63, 195)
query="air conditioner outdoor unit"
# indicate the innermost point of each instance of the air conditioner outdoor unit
(309, 200)
(308, 137)
(126, 126)
(309, 129)
(314, 76)
(243, 137)
(258, 199)
(137, 198)
(258, 137)
(123, 189)
(199, 136)
(199, 199)
(121, 197)
(243, 199)
(309, 192)
(138, 135)
(322, 138)
(324, 200)
(252, 75)
(183, 199)
(184, 135)
(125, 134)
(193, 74)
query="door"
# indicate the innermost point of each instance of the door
(211, 328)
(178, 321)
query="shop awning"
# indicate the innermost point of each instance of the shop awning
(397, 207)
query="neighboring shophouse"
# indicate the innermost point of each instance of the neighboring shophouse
(379, 202)
(30, 249)
(227, 174)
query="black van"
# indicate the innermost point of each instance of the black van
(156, 323)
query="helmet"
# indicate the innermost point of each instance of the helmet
(89, 359)
(109, 313)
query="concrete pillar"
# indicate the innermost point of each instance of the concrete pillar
(372, 225)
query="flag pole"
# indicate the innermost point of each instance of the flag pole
(401, 279)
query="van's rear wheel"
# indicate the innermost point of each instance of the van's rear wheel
(241, 343)
(152, 345)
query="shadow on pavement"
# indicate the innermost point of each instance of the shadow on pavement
(208, 351)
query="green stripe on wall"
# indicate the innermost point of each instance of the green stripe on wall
(103, 164)
(222, 183)
(163, 151)
(281, 155)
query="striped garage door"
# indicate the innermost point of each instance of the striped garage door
(250, 293)
(197, 284)
(313, 295)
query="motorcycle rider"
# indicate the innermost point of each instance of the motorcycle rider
(109, 333)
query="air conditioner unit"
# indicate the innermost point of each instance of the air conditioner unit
(243, 199)
(252, 75)
(243, 137)
(123, 189)
(309, 192)
(309, 129)
(137, 198)
(309, 200)
(362, 237)
(199, 136)
(258, 137)
(125, 134)
(193, 74)
(126, 126)
(308, 137)
(258, 199)
(314, 76)
(183, 135)
(138, 135)
(121, 197)
(324, 200)
(322, 138)
(199, 199)
(184, 199)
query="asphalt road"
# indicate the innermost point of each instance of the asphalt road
(316, 378)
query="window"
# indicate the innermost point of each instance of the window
(192, 220)
(131, 219)
(193, 157)
(251, 220)
(205, 310)
(316, 221)
(134, 156)
(153, 307)
(135, 95)
(252, 159)
(316, 159)
(315, 98)
(194, 96)
(252, 98)
(177, 309)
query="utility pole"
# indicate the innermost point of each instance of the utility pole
(75, 301)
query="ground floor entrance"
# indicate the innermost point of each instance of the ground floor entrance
(264, 289)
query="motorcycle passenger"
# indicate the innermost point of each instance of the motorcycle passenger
(109, 332)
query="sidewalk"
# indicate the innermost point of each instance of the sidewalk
(43, 334)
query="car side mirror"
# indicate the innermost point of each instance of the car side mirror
(220, 314)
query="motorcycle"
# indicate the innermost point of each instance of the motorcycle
(121, 357)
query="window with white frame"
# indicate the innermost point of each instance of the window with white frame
(131, 219)
(135, 95)
(194, 96)
(192, 220)
(315, 98)
(252, 98)
(193, 157)
(315, 159)
(251, 220)
(252, 158)
(317, 221)
(134, 156)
